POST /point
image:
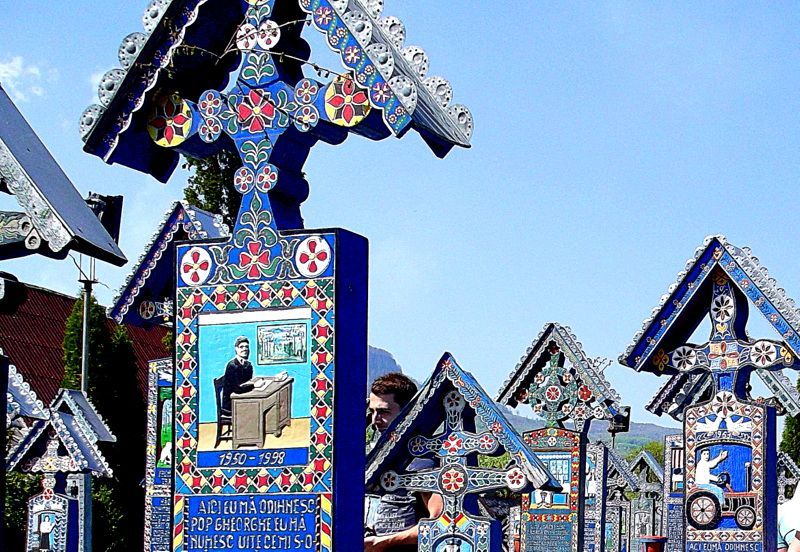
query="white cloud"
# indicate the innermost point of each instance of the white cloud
(23, 80)
(94, 81)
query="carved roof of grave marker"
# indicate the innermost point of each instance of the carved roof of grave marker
(78, 405)
(22, 400)
(785, 461)
(588, 371)
(645, 463)
(180, 50)
(60, 218)
(155, 265)
(79, 445)
(687, 388)
(421, 417)
(662, 331)
(619, 473)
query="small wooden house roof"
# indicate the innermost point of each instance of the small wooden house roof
(59, 215)
(184, 47)
(423, 415)
(153, 275)
(678, 314)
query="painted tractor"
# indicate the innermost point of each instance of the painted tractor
(706, 505)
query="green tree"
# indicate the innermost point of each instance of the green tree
(210, 185)
(19, 487)
(656, 448)
(114, 391)
(790, 442)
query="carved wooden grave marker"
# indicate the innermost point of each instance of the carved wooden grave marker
(158, 462)
(673, 519)
(731, 494)
(595, 490)
(454, 398)
(620, 482)
(62, 448)
(788, 477)
(265, 317)
(648, 506)
(562, 385)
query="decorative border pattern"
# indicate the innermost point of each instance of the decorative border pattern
(21, 399)
(673, 505)
(757, 413)
(596, 513)
(152, 490)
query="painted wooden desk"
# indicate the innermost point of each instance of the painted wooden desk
(260, 412)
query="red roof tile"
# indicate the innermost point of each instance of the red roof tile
(32, 333)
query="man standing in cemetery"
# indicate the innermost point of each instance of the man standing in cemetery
(237, 372)
(392, 518)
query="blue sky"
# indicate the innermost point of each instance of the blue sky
(610, 139)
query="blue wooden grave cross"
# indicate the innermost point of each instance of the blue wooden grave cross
(455, 480)
(729, 440)
(729, 354)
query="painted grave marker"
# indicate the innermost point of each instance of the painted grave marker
(158, 463)
(63, 448)
(672, 520)
(788, 477)
(453, 399)
(620, 483)
(730, 494)
(595, 489)
(562, 385)
(648, 505)
(265, 317)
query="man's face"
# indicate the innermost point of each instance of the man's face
(382, 410)
(243, 350)
(704, 455)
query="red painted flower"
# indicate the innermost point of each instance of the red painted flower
(195, 266)
(254, 259)
(452, 480)
(255, 112)
(584, 393)
(346, 103)
(313, 255)
(453, 444)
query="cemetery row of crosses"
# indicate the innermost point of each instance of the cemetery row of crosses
(256, 426)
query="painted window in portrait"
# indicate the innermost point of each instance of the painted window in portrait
(255, 376)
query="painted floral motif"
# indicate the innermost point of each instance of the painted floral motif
(722, 308)
(416, 445)
(486, 442)
(313, 256)
(306, 91)
(352, 55)
(255, 112)
(684, 358)
(515, 479)
(269, 34)
(763, 354)
(453, 444)
(254, 261)
(170, 123)
(381, 93)
(345, 103)
(306, 118)
(258, 68)
(246, 37)
(210, 103)
(210, 129)
(243, 180)
(452, 480)
(147, 309)
(266, 177)
(195, 266)
(323, 16)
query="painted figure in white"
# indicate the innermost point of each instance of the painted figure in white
(703, 475)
